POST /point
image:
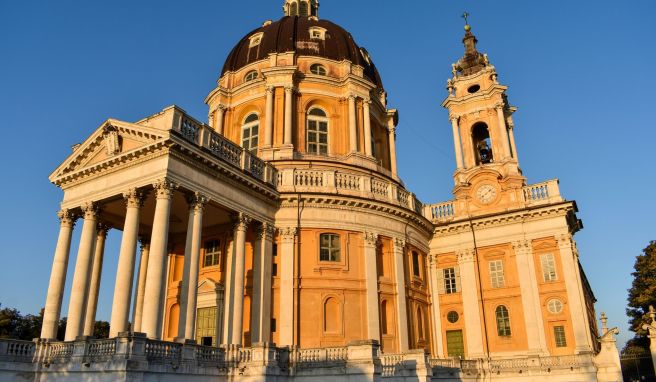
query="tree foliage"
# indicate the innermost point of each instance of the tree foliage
(642, 293)
(16, 326)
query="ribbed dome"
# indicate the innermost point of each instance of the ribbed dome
(292, 33)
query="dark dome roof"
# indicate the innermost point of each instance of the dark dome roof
(292, 33)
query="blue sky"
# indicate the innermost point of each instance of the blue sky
(580, 72)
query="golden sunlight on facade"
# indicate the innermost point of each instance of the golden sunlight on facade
(283, 220)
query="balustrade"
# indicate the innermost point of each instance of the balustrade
(163, 351)
(17, 351)
(347, 181)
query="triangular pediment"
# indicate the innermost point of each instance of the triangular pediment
(208, 285)
(111, 140)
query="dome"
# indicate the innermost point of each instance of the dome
(292, 33)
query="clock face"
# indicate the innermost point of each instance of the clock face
(486, 194)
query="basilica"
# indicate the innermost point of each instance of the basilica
(275, 240)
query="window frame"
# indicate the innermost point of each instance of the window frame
(560, 336)
(251, 76)
(450, 283)
(416, 264)
(502, 318)
(497, 275)
(551, 262)
(552, 303)
(216, 255)
(318, 70)
(250, 125)
(317, 120)
(332, 238)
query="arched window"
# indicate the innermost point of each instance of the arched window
(317, 132)
(314, 8)
(329, 247)
(482, 144)
(373, 143)
(250, 76)
(318, 69)
(503, 321)
(304, 12)
(331, 316)
(250, 133)
(293, 11)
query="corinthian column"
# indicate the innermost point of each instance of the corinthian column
(503, 131)
(79, 293)
(392, 148)
(470, 303)
(268, 129)
(289, 94)
(371, 279)
(94, 288)
(189, 287)
(155, 284)
(137, 311)
(367, 128)
(220, 113)
(456, 141)
(241, 226)
(401, 310)
(286, 333)
(58, 276)
(261, 302)
(126, 260)
(353, 133)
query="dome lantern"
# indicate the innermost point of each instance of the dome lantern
(301, 8)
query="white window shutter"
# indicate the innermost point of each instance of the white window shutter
(457, 272)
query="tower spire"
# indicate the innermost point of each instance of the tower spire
(472, 61)
(301, 8)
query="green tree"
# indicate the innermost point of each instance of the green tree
(642, 294)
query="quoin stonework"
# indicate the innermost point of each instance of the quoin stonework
(275, 241)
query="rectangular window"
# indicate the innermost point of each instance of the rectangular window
(317, 137)
(273, 324)
(275, 249)
(274, 270)
(415, 264)
(450, 280)
(548, 267)
(206, 326)
(212, 253)
(559, 335)
(329, 247)
(496, 274)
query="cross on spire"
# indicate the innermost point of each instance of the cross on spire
(465, 15)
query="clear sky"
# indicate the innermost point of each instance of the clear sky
(580, 72)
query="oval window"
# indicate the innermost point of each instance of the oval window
(554, 306)
(473, 89)
(452, 317)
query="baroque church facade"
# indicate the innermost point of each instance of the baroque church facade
(282, 220)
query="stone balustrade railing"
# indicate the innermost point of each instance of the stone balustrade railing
(346, 183)
(144, 355)
(222, 148)
(533, 195)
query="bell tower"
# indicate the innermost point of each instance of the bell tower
(487, 176)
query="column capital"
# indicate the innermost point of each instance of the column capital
(196, 200)
(265, 231)
(90, 210)
(165, 188)
(521, 246)
(221, 108)
(565, 241)
(391, 131)
(134, 198)
(454, 117)
(499, 106)
(466, 255)
(351, 97)
(241, 221)
(399, 243)
(270, 89)
(370, 238)
(287, 233)
(367, 101)
(66, 217)
(290, 89)
(102, 229)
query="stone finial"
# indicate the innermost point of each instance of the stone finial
(604, 322)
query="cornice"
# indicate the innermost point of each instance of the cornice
(289, 200)
(505, 218)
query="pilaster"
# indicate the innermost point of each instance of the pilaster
(471, 303)
(371, 279)
(286, 332)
